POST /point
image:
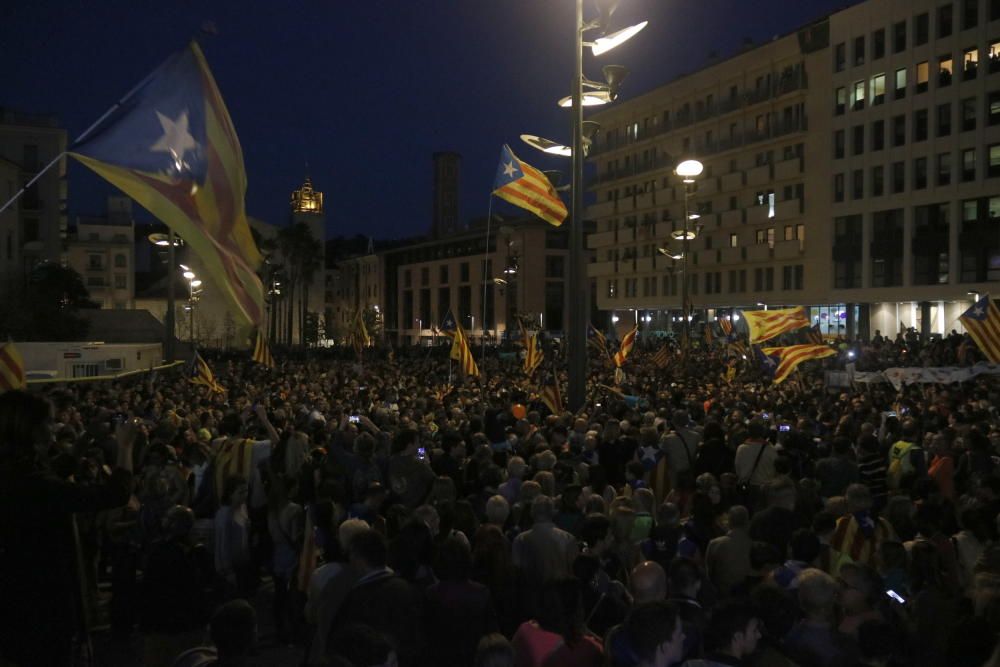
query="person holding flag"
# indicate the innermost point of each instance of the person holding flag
(628, 342)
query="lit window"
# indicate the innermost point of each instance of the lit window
(878, 89)
(923, 75)
(859, 95)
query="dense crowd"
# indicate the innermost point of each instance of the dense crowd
(397, 513)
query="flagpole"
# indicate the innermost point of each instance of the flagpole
(486, 260)
(80, 138)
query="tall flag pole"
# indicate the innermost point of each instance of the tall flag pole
(982, 321)
(171, 146)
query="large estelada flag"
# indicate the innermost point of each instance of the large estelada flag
(358, 335)
(11, 368)
(460, 350)
(522, 185)
(628, 342)
(767, 324)
(201, 373)
(789, 357)
(982, 321)
(171, 146)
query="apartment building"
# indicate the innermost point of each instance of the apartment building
(850, 167)
(519, 270)
(34, 228)
(102, 251)
(915, 154)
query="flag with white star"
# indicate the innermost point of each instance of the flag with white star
(982, 321)
(170, 145)
(526, 187)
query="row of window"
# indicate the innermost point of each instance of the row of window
(944, 26)
(875, 89)
(792, 278)
(919, 172)
(968, 112)
(121, 281)
(96, 262)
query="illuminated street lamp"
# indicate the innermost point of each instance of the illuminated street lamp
(170, 241)
(688, 170)
(582, 134)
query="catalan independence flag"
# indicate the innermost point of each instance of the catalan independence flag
(202, 374)
(727, 326)
(171, 146)
(766, 324)
(597, 340)
(262, 351)
(551, 397)
(522, 185)
(628, 342)
(11, 368)
(358, 335)
(788, 358)
(662, 357)
(460, 350)
(533, 354)
(814, 335)
(982, 321)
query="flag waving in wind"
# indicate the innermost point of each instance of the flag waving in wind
(171, 146)
(982, 321)
(522, 185)
(202, 374)
(533, 354)
(791, 356)
(262, 351)
(460, 350)
(358, 336)
(628, 342)
(11, 368)
(767, 324)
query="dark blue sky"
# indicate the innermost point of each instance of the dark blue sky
(363, 91)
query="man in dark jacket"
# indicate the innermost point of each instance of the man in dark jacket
(381, 599)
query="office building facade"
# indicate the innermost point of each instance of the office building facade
(844, 171)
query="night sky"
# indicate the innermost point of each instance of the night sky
(366, 91)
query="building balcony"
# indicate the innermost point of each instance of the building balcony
(707, 186)
(598, 269)
(758, 215)
(732, 217)
(732, 181)
(602, 209)
(731, 255)
(600, 240)
(788, 209)
(759, 175)
(759, 252)
(788, 169)
(788, 249)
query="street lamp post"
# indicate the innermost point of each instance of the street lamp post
(688, 170)
(579, 296)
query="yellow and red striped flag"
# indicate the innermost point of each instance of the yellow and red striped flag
(791, 356)
(597, 340)
(522, 185)
(766, 324)
(11, 368)
(460, 350)
(628, 342)
(551, 397)
(533, 355)
(262, 351)
(171, 146)
(982, 321)
(814, 335)
(201, 373)
(662, 357)
(726, 325)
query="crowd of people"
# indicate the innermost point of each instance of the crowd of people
(398, 514)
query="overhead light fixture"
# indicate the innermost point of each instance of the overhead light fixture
(546, 145)
(689, 169)
(681, 235)
(694, 216)
(614, 75)
(499, 281)
(667, 252)
(195, 283)
(184, 267)
(593, 98)
(189, 275)
(617, 38)
(163, 240)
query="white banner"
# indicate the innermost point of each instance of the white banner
(897, 377)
